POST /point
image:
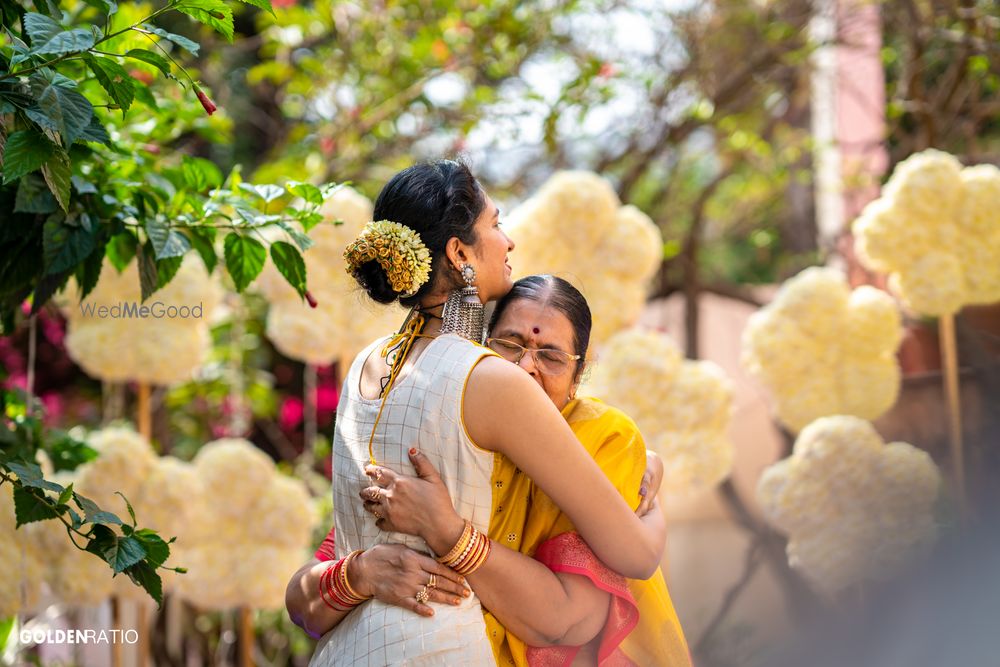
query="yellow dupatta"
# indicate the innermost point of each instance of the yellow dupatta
(616, 445)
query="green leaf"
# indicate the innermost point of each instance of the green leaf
(46, 286)
(183, 42)
(213, 13)
(57, 172)
(102, 539)
(301, 240)
(244, 259)
(25, 151)
(127, 551)
(203, 241)
(33, 196)
(114, 79)
(131, 512)
(166, 269)
(95, 132)
(121, 249)
(70, 41)
(68, 111)
(156, 549)
(64, 246)
(262, 4)
(66, 452)
(30, 474)
(150, 58)
(6, 631)
(200, 174)
(145, 95)
(266, 192)
(308, 220)
(89, 272)
(307, 191)
(66, 494)
(289, 263)
(149, 279)
(167, 241)
(143, 574)
(95, 514)
(40, 28)
(29, 507)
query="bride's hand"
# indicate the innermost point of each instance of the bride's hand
(395, 574)
(418, 505)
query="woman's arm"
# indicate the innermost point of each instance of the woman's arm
(539, 606)
(506, 411)
(391, 573)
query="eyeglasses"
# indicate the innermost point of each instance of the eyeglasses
(547, 360)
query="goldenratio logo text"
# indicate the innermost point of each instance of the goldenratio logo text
(134, 310)
(77, 636)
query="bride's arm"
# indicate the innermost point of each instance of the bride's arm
(506, 411)
(541, 607)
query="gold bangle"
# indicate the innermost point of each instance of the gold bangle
(460, 545)
(466, 551)
(343, 575)
(478, 555)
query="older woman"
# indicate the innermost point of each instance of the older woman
(453, 400)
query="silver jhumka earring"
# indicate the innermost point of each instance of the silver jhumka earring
(463, 311)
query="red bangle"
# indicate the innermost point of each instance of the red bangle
(324, 588)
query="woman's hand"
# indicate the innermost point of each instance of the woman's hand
(651, 481)
(418, 505)
(394, 574)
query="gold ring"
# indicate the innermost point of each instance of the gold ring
(377, 514)
(423, 595)
(432, 582)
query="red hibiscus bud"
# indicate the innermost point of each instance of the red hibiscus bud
(311, 299)
(209, 106)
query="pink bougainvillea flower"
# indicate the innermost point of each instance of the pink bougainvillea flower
(291, 413)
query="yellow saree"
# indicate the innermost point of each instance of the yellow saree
(525, 518)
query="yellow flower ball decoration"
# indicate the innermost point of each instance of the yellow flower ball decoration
(253, 529)
(853, 507)
(936, 231)
(575, 227)
(822, 349)
(681, 407)
(344, 320)
(22, 559)
(163, 492)
(163, 348)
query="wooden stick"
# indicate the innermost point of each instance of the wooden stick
(949, 361)
(142, 625)
(144, 419)
(144, 416)
(116, 623)
(246, 636)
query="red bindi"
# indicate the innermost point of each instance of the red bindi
(536, 330)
